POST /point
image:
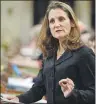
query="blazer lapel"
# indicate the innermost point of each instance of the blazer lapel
(66, 55)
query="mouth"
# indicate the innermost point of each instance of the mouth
(58, 30)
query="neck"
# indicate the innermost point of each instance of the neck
(60, 51)
(61, 48)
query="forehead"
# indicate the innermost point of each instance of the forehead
(55, 13)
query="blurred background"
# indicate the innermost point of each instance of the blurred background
(20, 26)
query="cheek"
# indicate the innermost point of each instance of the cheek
(51, 29)
(52, 32)
(67, 28)
(67, 24)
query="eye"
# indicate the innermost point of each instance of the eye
(51, 21)
(61, 19)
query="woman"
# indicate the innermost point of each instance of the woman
(67, 75)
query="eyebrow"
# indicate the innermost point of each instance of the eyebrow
(57, 17)
(52, 18)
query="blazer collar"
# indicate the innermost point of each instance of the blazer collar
(66, 55)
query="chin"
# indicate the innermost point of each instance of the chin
(59, 37)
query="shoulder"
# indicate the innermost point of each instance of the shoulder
(83, 51)
(83, 54)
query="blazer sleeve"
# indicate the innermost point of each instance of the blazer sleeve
(86, 67)
(36, 92)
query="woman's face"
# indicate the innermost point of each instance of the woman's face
(59, 23)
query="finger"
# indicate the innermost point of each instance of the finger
(67, 87)
(70, 87)
(63, 84)
(70, 82)
(64, 88)
(64, 81)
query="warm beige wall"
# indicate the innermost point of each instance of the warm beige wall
(83, 11)
(16, 20)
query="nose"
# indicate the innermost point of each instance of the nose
(57, 24)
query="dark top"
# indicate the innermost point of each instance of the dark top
(78, 65)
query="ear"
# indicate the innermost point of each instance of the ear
(72, 24)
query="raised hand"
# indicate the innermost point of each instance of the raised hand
(67, 85)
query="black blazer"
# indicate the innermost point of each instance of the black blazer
(79, 65)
